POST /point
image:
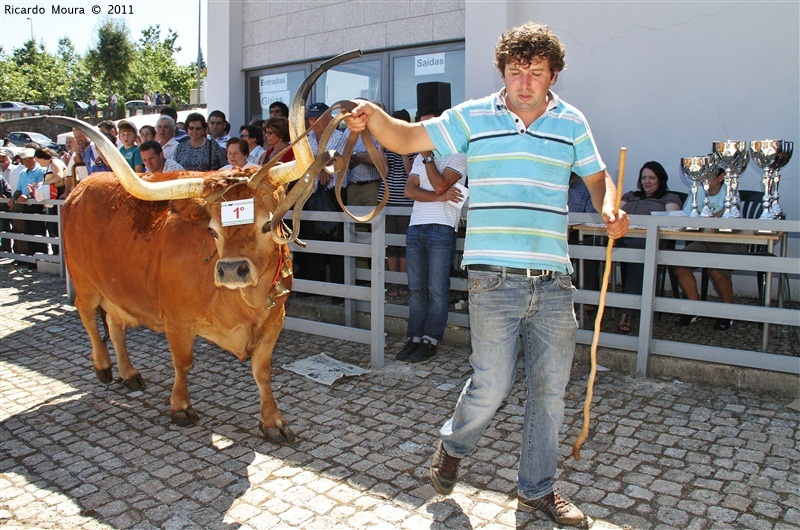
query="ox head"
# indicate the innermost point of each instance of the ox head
(238, 219)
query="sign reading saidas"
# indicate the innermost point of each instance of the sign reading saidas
(429, 64)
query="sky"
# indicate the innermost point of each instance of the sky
(180, 15)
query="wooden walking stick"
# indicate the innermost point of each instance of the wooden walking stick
(576, 448)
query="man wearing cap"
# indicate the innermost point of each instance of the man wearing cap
(32, 175)
(7, 166)
(129, 149)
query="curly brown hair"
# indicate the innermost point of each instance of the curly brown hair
(529, 43)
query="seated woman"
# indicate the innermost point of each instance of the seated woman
(652, 196)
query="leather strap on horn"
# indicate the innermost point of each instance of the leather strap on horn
(304, 186)
(297, 197)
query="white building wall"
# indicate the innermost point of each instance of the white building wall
(666, 79)
(276, 32)
(225, 83)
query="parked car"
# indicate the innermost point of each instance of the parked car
(134, 103)
(37, 106)
(79, 105)
(20, 138)
(14, 106)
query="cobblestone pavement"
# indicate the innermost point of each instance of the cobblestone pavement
(81, 455)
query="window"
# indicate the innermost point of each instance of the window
(350, 80)
(270, 86)
(431, 76)
(389, 77)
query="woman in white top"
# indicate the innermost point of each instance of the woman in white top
(237, 151)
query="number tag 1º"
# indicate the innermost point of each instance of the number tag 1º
(238, 212)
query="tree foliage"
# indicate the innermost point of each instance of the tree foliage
(156, 70)
(113, 64)
(113, 55)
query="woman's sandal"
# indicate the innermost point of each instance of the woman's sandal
(624, 324)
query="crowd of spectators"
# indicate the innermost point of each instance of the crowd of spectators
(200, 144)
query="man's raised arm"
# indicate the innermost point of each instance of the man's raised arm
(396, 135)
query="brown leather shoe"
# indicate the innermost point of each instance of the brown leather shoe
(554, 506)
(444, 470)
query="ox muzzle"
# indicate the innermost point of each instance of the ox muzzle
(235, 273)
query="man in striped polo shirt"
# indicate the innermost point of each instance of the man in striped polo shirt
(521, 143)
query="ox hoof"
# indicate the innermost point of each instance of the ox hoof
(184, 418)
(105, 376)
(278, 435)
(134, 383)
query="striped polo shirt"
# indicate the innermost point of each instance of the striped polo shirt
(518, 178)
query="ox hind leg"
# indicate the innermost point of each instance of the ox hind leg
(130, 376)
(181, 343)
(87, 306)
(273, 424)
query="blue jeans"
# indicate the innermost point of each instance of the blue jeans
(429, 255)
(501, 307)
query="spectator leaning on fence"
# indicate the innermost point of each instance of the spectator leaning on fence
(21, 203)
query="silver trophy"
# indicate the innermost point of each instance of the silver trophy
(783, 158)
(732, 156)
(766, 155)
(696, 169)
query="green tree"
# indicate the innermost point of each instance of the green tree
(42, 74)
(156, 69)
(13, 84)
(111, 58)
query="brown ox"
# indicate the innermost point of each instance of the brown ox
(153, 252)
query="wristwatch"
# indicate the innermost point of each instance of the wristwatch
(428, 159)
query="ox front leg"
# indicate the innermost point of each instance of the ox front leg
(130, 376)
(273, 424)
(87, 306)
(180, 407)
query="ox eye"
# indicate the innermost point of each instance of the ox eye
(213, 233)
(265, 228)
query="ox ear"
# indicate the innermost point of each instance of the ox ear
(190, 209)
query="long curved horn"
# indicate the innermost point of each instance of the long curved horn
(303, 156)
(191, 188)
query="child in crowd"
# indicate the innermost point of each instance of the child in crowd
(129, 149)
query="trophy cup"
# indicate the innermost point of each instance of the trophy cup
(696, 169)
(783, 158)
(766, 155)
(732, 156)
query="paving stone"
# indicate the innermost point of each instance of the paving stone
(76, 454)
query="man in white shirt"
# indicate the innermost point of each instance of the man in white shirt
(216, 128)
(154, 159)
(165, 134)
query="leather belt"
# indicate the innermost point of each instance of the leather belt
(529, 273)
